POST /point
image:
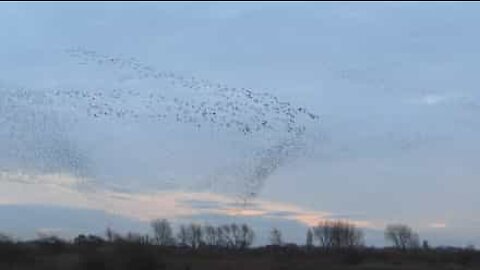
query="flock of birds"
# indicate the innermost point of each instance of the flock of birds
(227, 107)
(34, 133)
(212, 105)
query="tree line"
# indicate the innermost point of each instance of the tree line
(232, 236)
(327, 235)
(337, 242)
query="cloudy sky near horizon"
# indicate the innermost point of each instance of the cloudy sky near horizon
(393, 85)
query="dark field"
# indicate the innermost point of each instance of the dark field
(136, 256)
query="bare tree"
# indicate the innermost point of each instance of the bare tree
(220, 238)
(162, 232)
(309, 238)
(197, 235)
(276, 237)
(323, 234)
(338, 234)
(235, 235)
(402, 236)
(137, 238)
(247, 236)
(183, 235)
(109, 234)
(191, 235)
(112, 235)
(227, 237)
(425, 245)
(210, 235)
(242, 235)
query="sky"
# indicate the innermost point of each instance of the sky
(393, 86)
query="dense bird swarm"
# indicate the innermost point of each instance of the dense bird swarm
(34, 123)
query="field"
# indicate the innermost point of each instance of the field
(137, 256)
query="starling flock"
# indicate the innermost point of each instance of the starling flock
(242, 109)
(25, 114)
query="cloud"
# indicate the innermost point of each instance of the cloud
(202, 204)
(62, 190)
(57, 179)
(438, 225)
(458, 100)
(430, 99)
(433, 99)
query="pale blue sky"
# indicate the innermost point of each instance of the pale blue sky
(394, 84)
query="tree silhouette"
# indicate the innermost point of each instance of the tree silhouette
(191, 235)
(402, 236)
(276, 237)
(162, 232)
(309, 238)
(338, 234)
